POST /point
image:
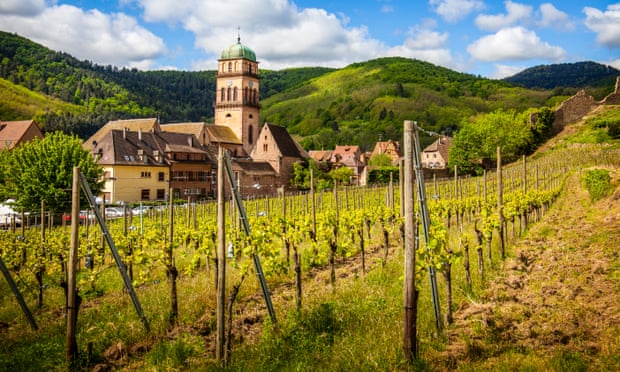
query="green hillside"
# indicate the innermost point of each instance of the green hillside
(108, 93)
(17, 102)
(368, 101)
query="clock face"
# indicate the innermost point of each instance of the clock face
(229, 82)
(251, 83)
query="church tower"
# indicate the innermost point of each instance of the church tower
(237, 100)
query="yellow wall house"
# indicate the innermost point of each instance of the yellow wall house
(138, 166)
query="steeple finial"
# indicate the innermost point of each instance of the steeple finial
(238, 34)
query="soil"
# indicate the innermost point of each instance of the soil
(559, 295)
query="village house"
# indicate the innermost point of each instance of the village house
(144, 166)
(389, 148)
(350, 157)
(276, 147)
(435, 156)
(14, 133)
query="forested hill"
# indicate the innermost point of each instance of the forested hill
(368, 101)
(568, 75)
(103, 93)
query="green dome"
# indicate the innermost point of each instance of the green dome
(238, 50)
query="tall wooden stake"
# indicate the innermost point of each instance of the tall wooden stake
(220, 348)
(500, 195)
(72, 298)
(410, 342)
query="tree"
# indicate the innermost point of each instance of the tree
(42, 170)
(477, 141)
(342, 175)
(380, 160)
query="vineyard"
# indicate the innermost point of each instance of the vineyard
(306, 242)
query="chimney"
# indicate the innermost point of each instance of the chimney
(124, 133)
(139, 134)
(190, 141)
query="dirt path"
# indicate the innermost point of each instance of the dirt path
(559, 296)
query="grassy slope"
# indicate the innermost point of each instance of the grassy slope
(556, 304)
(19, 103)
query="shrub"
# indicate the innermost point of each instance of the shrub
(597, 182)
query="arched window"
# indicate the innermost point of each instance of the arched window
(223, 95)
(245, 95)
(228, 94)
(250, 134)
(230, 67)
(235, 95)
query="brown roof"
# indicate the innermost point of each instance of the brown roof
(14, 132)
(256, 168)
(195, 128)
(382, 147)
(144, 125)
(124, 147)
(441, 145)
(346, 150)
(320, 155)
(286, 144)
(222, 134)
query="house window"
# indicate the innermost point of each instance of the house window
(161, 194)
(265, 147)
(161, 176)
(145, 194)
(145, 174)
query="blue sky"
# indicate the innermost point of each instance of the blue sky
(488, 38)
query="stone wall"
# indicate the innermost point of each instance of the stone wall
(572, 110)
(613, 98)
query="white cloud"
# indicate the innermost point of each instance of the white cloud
(550, 16)
(285, 35)
(102, 38)
(22, 7)
(455, 10)
(614, 63)
(606, 24)
(424, 43)
(515, 43)
(515, 12)
(503, 71)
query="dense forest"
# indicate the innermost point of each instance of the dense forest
(598, 78)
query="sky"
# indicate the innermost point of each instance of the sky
(492, 39)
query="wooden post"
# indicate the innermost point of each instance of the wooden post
(72, 298)
(410, 342)
(220, 349)
(41, 260)
(500, 195)
(313, 201)
(171, 269)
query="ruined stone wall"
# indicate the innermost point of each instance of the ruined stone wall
(613, 98)
(572, 110)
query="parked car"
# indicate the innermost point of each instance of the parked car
(113, 212)
(8, 215)
(141, 210)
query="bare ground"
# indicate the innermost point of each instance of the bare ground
(559, 295)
